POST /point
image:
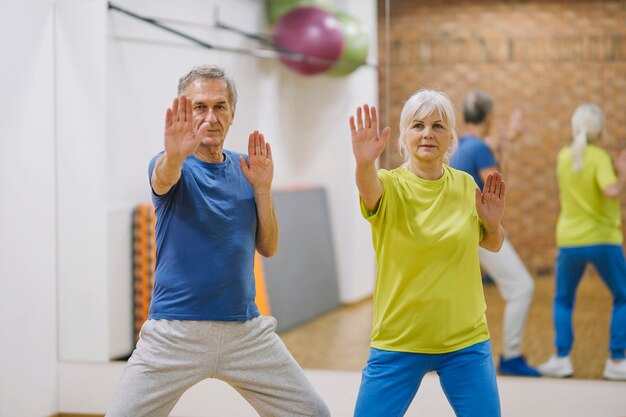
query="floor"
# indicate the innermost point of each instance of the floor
(334, 347)
(339, 340)
(87, 389)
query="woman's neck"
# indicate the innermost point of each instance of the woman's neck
(426, 170)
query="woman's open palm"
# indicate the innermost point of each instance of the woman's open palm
(491, 201)
(367, 144)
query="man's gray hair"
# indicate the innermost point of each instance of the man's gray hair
(477, 105)
(209, 72)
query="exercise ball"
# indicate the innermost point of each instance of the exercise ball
(314, 34)
(356, 45)
(277, 8)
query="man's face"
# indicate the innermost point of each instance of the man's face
(212, 111)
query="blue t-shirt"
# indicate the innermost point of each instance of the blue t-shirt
(205, 240)
(473, 155)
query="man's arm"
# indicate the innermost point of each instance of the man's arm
(267, 226)
(180, 140)
(501, 144)
(166, 173)
(259, 171)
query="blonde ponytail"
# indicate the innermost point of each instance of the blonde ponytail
(587, 125)
(578, 150)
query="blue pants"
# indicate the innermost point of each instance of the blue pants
(570, 265)
(468, 377)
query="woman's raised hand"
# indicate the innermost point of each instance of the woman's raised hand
(490, 202)
(367, 143)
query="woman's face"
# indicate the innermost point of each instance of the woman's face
(428, 139)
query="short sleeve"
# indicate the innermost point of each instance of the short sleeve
(151, 166)
(156, 197)
(374, 216)
(484, 157)
(605, 174)
(481, 230)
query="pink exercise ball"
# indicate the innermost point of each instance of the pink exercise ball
(312, 32)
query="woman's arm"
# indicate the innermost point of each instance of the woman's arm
(367, 146)
(492, 239)
(490, 207)
(615, 190)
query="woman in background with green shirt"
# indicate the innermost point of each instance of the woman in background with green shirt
(589, 230)
(427, 222)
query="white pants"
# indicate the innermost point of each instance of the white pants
(516, 287)
(173, 355)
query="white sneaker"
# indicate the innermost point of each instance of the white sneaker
(615, 370)
(557, 367)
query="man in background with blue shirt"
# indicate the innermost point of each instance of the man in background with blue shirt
(514, 282)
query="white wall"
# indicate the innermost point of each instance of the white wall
(28, 337)
(82, 180)
(117, 76)
(73, 162)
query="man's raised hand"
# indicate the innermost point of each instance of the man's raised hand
(259, 169)
(182, 138)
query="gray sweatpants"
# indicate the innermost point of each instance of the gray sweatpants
(173, 355)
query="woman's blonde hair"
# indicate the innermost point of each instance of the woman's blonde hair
(420, 105)
(587, 126)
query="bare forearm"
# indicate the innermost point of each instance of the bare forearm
(370, 187)
(166, 173)
(267, 226)
(493, 237)
(615, 190)
(503, 163)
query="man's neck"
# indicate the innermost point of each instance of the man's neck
(211, 154)
(478, 130)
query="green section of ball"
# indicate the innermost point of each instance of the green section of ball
(356, 45)
(277, 8)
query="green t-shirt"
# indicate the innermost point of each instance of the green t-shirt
(587, 216)
(428, 296)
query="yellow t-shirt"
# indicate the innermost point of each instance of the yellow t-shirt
(428, 296)
(587, 216)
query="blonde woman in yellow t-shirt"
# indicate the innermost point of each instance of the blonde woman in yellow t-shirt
(589, 230)
(427, 223)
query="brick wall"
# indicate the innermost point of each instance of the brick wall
(544, 57)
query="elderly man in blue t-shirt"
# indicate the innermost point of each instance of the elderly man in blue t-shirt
(515, 283)
(213, 209)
